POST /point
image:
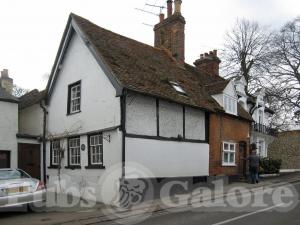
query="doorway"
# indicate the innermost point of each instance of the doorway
(29, 159)
(4, 159)
(243, 158)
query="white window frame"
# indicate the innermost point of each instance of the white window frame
(261, 148)
(177, 87)
(230, 104)
(74, 159)
(97, 147)
(55, 152)
(75, 98)
(229, 151)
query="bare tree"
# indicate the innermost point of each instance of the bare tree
(284, 82)
(246, 52)
(18, 91)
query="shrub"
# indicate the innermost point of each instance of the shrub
(269, 165)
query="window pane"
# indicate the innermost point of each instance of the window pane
(226, 146)
(231, 160)
(225, 157)
(232, 147)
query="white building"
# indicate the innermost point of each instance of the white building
(262, 134)
(8, 124)
(112, 101)
(21, 129)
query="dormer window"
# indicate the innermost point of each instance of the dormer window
(230, 104)
(177, 87)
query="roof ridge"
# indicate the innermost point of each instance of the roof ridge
(73, 15)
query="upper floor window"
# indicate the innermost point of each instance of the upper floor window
(230, 104)
(74, 151)
(74, 97)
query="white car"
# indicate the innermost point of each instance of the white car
(17, 188)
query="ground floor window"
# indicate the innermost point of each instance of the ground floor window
(96, 149)
(55, 149)
(229, 153)
(261, 148)
(74, 151)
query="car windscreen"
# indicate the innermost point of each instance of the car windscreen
(12, 174)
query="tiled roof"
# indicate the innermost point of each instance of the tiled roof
(138, 67)
(31, 98)
(6, 97)
(216, 88)
(146, 69)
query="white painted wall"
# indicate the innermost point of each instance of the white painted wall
(169, 158)
(141, 115)
(194, 124)
(100, 109)
(99, 106)
(31, 120)
(170, 119)
(8, 130)
(82, 179)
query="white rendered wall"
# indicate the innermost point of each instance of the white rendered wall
(31, 120)
(170, 119)
(99, 106)
(82, 179)
(169, 158)
(8, 130)
(194, 124)
(100, 109)
(141, 115)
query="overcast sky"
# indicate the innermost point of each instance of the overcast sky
(31, 30)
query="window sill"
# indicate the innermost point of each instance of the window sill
(74, 113)
(229, 165)
(73, 167)
(95, 167)
(53, 167)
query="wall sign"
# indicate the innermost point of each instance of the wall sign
(82, 147)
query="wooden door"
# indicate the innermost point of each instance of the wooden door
(4, 159)
(243, 158)
(29, 158)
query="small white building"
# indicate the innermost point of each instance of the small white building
(262, 134)
(21, 129)
(8, 123)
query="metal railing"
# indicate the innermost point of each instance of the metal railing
(264, 129)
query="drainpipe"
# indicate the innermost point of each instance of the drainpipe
(44, 139)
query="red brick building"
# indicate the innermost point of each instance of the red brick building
(229, 129)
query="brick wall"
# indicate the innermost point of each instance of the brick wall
(287, 148)
(226, 128)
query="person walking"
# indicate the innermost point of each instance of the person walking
(253, 164)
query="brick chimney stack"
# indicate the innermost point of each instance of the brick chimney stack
(6, 82)
(208, 63)
(169, 32)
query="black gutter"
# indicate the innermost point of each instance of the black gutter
(123, 128)
(44, 140)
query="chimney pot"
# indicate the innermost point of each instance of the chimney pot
(215, 53)
(208, 63)
(161, 17)
(4, 73)
(170, 7)
(178, 6)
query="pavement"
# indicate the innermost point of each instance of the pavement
(189, 210)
